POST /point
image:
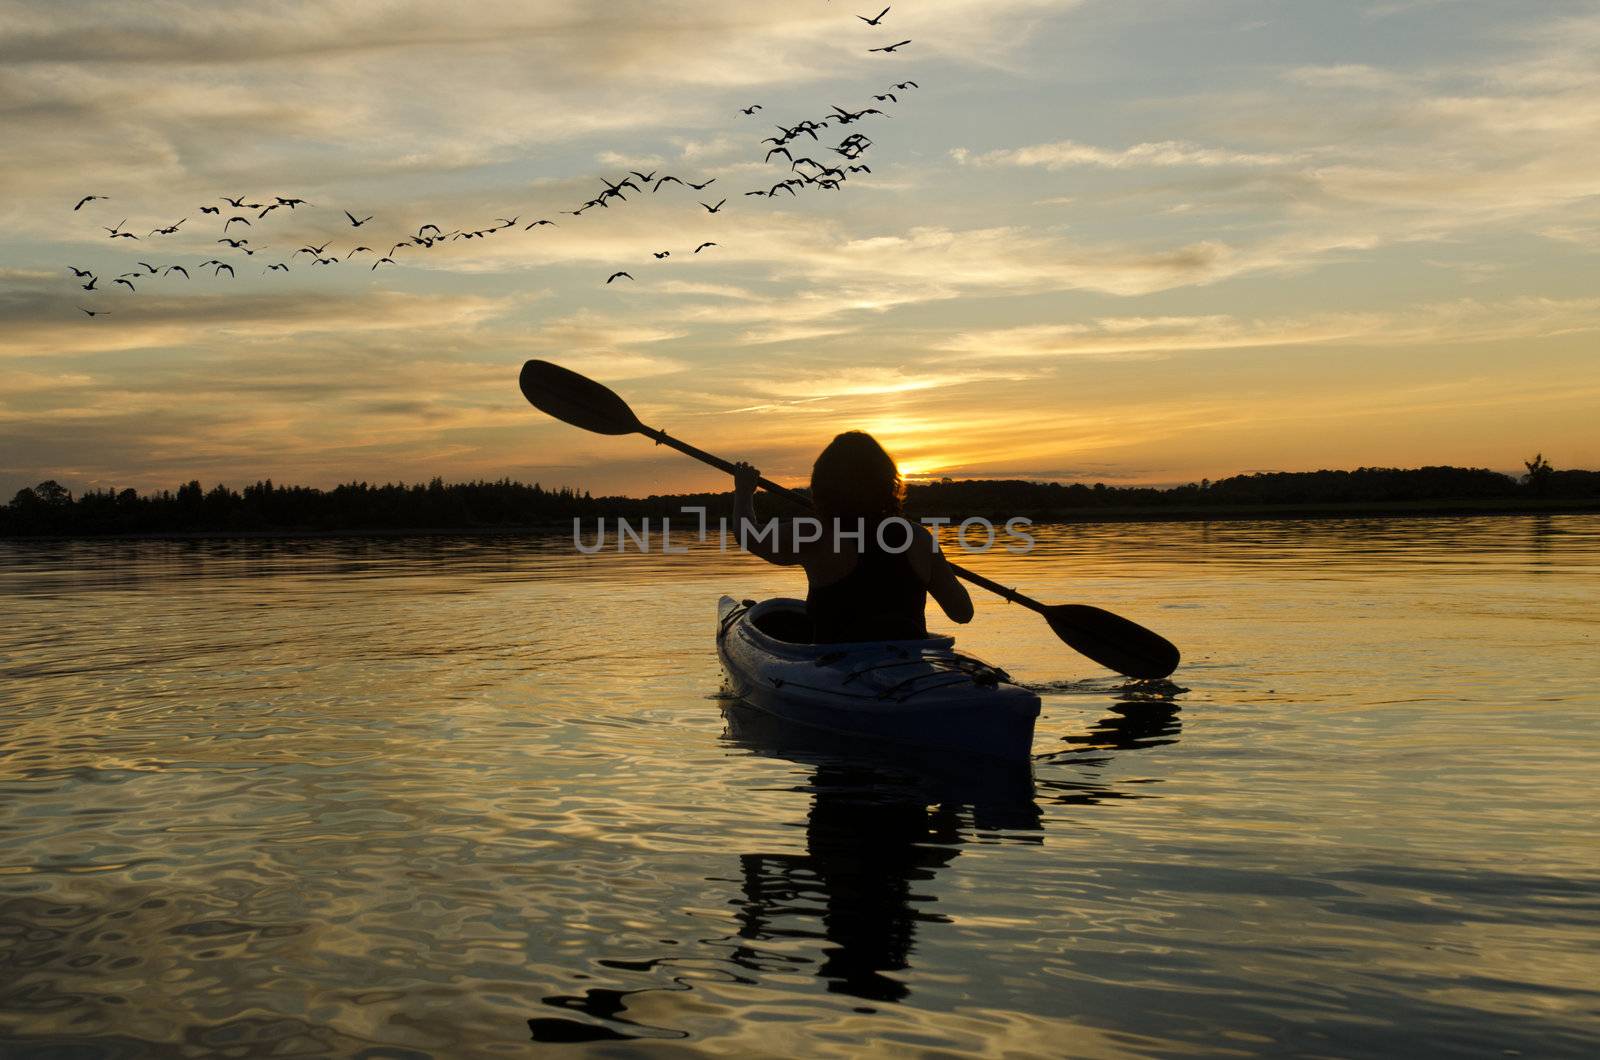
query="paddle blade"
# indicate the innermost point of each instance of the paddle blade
(1113, 641)
(576, 399)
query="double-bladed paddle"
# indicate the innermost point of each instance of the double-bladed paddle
(1110, 640)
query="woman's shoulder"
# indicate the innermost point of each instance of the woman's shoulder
(922, 551)
(904, 536)
(901, 533)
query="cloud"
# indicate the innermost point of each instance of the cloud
(180, 95)
(1348, 76)
(1066, 153)
(1454, 322)
(44, 321)
(860, 382)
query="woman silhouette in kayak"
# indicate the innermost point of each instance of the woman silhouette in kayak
(871, 570)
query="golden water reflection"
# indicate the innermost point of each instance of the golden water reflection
(437, 796)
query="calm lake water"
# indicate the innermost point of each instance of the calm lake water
(401, 797)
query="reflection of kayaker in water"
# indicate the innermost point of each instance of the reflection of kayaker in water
(866, 581)
(868, 844)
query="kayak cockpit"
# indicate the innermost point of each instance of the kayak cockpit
(787, 624)
(782, 623)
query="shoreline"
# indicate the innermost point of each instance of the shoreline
(1242, 513)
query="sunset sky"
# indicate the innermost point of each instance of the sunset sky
(1118, 240)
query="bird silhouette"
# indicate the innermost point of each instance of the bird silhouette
(353, 222)
(702, 187)
(713, 209)
(646, 178)
(380, 261)
(890, 48)
(358, 250)
(662, 254)
(907, 84)
(79, 273)
(845, 117)
(703, 246)
(618, 275)
(234, 243)
(118, 232)
(875, 19)
(269, 209)
(211, 209)
(237, 204)
(889, 96)
(126, 283)
(751, 109)
(539, 222)
(232, 220)
(279, 265)
(291, 203)
(784, 151)
(423, 229)
(88, 198)
(90, 285)
(146, 264)
(169, 230)
(176, 268)
(94, 312)
(223, 265)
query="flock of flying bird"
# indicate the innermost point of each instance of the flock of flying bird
(827, 175)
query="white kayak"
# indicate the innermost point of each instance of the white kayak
(921, 693)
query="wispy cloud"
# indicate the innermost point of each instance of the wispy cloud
(1067, 153)
(1455, 322)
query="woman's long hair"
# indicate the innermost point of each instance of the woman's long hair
(854, 478)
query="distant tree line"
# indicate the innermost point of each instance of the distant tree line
(50, 509)
(1364, 486)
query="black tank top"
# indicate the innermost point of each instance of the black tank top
(881, 599)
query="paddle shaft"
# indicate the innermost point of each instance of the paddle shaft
(663, 438)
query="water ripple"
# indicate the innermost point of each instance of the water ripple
(448, 797)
